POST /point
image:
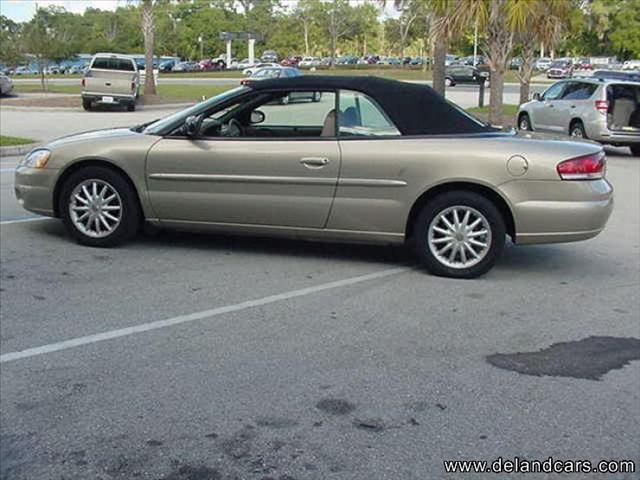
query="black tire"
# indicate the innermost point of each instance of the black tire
(461, 198)
(448, 82)
(635, 150)
(86, 104)
(576, 130)
(130, 215)
(131, 107)
(524, 122)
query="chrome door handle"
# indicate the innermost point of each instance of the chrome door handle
(107, 84)
(314, 162)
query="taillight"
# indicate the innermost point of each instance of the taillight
(588, 167)
(133, 85)
(602, 106)
(83, 83)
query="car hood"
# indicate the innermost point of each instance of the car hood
(92, 135)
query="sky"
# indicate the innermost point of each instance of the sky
(23, 10)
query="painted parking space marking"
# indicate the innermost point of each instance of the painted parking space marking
(181, 319)
(23, 220)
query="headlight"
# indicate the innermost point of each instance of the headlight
(36, 159)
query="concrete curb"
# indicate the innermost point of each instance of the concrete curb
(142, 108)
(13, 150)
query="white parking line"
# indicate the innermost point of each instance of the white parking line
(145, 327)
(22, 220)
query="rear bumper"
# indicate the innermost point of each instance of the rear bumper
(117, 98)
(617, 137)
(559, 211)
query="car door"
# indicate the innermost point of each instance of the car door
(543, 112)
(575, 103)
(370, 187)
(254, 179)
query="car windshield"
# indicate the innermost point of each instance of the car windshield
(560, 64)
(159, 125)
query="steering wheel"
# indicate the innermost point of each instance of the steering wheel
(234, 129)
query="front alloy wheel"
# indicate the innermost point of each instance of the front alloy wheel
(99, 207)
(95, 208)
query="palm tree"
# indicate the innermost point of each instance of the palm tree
(148, 30)
(446, 23)
(499, 19)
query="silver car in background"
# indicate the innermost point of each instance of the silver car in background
(111, 79)
(604, 110)
(6, 85)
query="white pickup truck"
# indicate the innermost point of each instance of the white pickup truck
(111, 79)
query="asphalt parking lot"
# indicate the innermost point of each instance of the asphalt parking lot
(196, 357)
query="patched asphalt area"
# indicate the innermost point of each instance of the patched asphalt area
(384, 378)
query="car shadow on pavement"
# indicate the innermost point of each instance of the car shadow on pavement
(524, 259)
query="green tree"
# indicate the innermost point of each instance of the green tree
(10, 53)
(147, 13)
(336, 18)
(538, 22)
(49, 36)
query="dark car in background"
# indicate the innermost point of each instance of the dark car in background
(167, 66)
(459, 73)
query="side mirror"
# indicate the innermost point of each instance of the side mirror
(257, 117)
(537, 96)
(192, 125)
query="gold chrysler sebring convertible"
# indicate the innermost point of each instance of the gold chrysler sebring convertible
(335, 158)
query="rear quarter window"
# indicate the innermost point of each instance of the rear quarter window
(111, 63)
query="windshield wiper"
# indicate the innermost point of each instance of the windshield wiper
(142, 126)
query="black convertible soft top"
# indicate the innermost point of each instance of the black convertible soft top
(415, 109)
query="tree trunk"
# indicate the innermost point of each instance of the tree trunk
(499, 43)
(43, 83)
(497, 90)
(332, 60)
(148, 33)
(439, 68)
(306, 38)
(526, 69)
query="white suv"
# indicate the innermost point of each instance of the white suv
(605, 110)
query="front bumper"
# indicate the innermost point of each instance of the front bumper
(34, 189)
(558, 211)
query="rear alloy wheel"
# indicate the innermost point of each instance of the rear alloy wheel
(459, 234)
(523, 122)
(99, 207)
(577, 130)
(317, 96)
(284, 100)
(635, 150)
(448, 82)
